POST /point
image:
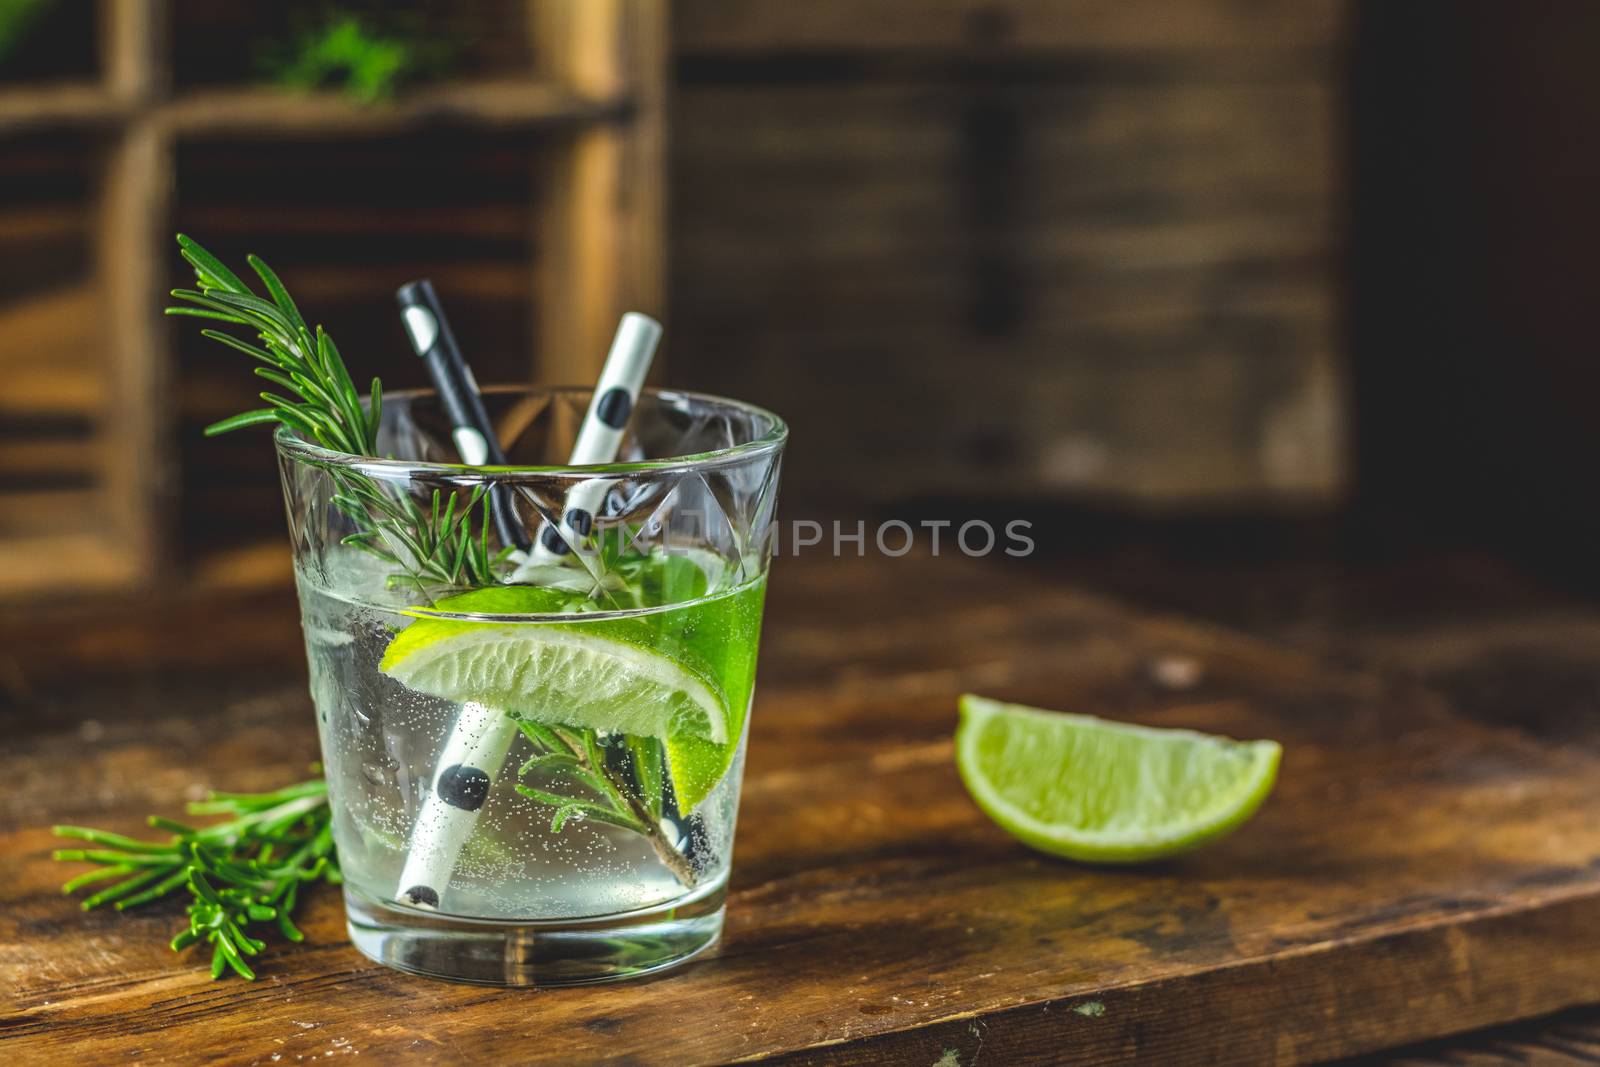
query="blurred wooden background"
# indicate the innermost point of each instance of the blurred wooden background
(1311, 258)
(1030, 247)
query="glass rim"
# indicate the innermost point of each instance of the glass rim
(291, 445)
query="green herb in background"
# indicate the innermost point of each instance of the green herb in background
(17, 17)
(369, 59)
(241, 875)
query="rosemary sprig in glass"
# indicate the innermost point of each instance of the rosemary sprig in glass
(432, 547)
(633, 805)
(241, 874)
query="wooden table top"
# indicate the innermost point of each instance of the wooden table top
(1418, 872)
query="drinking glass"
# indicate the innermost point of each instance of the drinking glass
(534, 751)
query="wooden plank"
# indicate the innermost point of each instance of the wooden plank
(25, 110)
(49, 458)
(577, 255)
(53, 357)
(33, 564)
(600, 234)
(734, 26)
(1568, 1039)
(32, 514)
(181, 627)
(644, 167)
(37, 222)
(267, 112)
(264, 565)
(1415, 874)
(473, 281)
(509, 104)
(460, 220)
(136, 185)
(133, 48)
(577, 264)
(135, 473)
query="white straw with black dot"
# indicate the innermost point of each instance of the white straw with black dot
(627, 365)
(470, 759)
(482, 736)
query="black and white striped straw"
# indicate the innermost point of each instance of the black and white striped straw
(476, 441)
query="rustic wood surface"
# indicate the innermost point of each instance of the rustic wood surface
(1569, 1039)
(1416, 874)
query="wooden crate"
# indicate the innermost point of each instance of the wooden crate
(103, 485)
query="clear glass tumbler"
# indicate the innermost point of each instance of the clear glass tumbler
(534, 753)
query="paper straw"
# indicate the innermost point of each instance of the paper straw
(433, 340)
(472, 755)
(600, 436)
(481, 736)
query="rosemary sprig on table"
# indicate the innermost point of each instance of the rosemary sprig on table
(433, 546)
(241, 874)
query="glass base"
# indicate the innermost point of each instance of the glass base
(548, 952)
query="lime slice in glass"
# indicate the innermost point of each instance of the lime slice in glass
(682, 675)
(605, 675)
(1106, 792)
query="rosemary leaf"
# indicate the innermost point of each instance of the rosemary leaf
(208, 264)
(566, 807)
(207, 313)
(250, 307)
(645, 753)
(280, 295)
(233, 342)
(374, 415)
(279, 379)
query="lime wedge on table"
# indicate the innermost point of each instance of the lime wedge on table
(616, 675)
(1106, 792)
